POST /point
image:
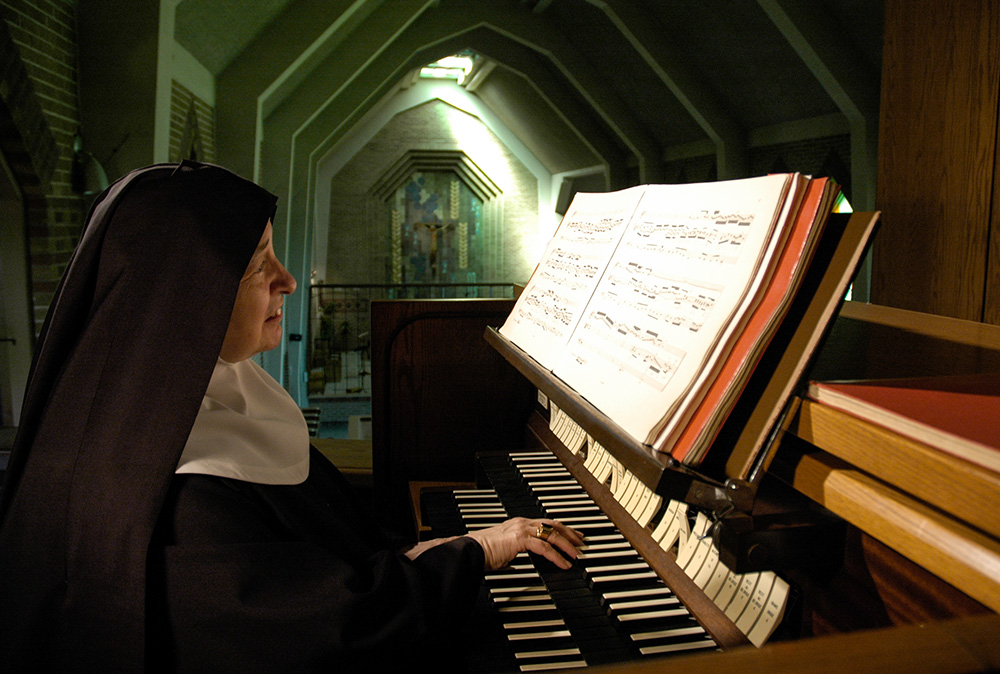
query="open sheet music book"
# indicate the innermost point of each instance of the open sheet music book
(655, 302)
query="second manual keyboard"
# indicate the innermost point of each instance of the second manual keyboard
(610, 607)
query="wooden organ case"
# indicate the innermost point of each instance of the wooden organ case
(891, 549)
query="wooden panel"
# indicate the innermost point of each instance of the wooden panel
(909, 594)
(439, 395)
(991, 312)
(870, 341)
(872, 586)
(950, 647)
(937, 148)
(878, 583)
(352, 457)
(912, 466)
(958, 554)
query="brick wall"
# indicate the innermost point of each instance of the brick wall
(359, 248)
(43, 33)
(39, 99)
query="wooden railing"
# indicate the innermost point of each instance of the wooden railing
(340, 325)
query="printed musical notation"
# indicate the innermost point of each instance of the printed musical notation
(569, 270)
(599, 228)
(563, 283)
(655, 312)
(671, 285)
(638, 351)
(552, 306)
(643, 295)
(664, 299)
(549, 308)
(711, 236)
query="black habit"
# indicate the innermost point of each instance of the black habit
(111, 562)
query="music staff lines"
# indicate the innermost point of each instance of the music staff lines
(649, 359)
(595, 228)
(569, 270)
(671, 301)
(552, 315)
(711, 237)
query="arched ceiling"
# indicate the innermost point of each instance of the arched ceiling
(628, 83)
(631, 87)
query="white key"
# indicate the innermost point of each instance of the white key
(554, 634)
(677, 647)
(533, 624)
(666, 634)
(643, 603)
(659, 591)
(552, 653)
(651, 615)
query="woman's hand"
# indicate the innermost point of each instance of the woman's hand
(548, 538)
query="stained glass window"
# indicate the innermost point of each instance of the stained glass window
(435, 230)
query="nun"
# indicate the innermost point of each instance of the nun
(162, 508)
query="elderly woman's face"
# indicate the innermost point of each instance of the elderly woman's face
(255, 325)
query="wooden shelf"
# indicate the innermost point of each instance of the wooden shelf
(933, 508)
(938, 511)
(972, 493)
(948, 647)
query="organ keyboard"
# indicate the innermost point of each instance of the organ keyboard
(916, 549)
(633, 600)
(611, 607)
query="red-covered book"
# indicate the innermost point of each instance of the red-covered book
(958, 414)
(692, 440)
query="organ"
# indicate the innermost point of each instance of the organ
(889, 552)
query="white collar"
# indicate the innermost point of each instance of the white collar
(248, 428)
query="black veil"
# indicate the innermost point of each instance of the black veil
(120, 369)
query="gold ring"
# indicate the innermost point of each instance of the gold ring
(544, 531)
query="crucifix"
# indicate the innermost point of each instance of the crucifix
(434, 228)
